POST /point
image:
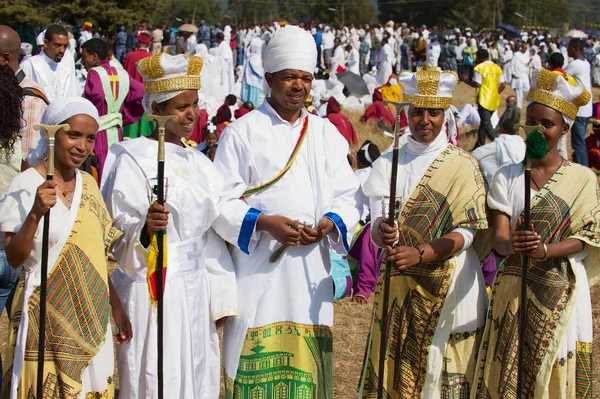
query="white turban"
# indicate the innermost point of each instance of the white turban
(291, 48)
(58, 112)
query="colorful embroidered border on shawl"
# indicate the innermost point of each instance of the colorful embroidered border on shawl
(565, 207)
(290, 162)
(78, 305)
(284, 360)
(451, 194)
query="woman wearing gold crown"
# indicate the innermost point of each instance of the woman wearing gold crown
(200, 288)
(437, 292)
(563, 250)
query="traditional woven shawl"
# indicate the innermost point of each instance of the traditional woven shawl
(78, 310)
(451, 194)
(567, 206)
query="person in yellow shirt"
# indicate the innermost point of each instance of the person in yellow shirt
(489, 81)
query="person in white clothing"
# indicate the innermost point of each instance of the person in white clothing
(54, 72)
(519, 73)
(441, 207)
(200, 288)
(385, 60)
(535, 62)
(253, 73)
(79, 336)
(328, 44)
(338, 60)
(562, 248)
(289, 197)
(224, 51)
(353, 60)
(580, 70)
(432, 54)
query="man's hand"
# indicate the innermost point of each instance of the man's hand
(283, 229)
(310, 235)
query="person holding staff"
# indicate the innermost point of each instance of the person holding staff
(199, 288)
(78, 345)
(437, 292)
(562, 245)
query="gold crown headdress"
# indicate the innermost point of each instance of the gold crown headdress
(165, 72)
(558, 91)
(429, 87)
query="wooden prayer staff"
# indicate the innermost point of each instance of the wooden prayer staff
(536, 148)
(388, 267)
(51, 131)
(160, 196)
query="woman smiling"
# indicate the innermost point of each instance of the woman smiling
(200, 290)
(78, 346)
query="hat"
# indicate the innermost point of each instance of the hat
(429, 87)
(87, 24)
(290, 47)
(165, 72)
(143, 37)
(558, 91)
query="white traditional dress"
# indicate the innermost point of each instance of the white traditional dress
(520, 76)
(58, 79)
(281, 343)
(452, 313)
(15, 204)
(559, 350)
(200, 284)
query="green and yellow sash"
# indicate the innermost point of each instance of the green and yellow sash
(290, 162)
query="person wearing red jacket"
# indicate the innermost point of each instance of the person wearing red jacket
(341, 121)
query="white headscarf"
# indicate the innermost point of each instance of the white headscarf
(291, 48)
(58, 112)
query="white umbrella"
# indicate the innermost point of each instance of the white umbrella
(577, 34)
(188, 28)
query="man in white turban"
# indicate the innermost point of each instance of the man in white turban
(289, 197)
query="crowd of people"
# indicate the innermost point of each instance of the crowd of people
(265, 217)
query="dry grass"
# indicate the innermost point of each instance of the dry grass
(351, 319)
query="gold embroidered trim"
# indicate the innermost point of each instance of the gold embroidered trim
(173, 84)
(195, 66)
(553, 101)
(543, 93)
(150, 67)
(428, 81)
(432, 102)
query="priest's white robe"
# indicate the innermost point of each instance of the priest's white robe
(200, 282)
(58, 79)
(286, 307)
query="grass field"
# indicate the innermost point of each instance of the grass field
(352, 320)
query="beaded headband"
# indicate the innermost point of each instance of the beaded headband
(151, 69)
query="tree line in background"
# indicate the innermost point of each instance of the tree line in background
(108, 15)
